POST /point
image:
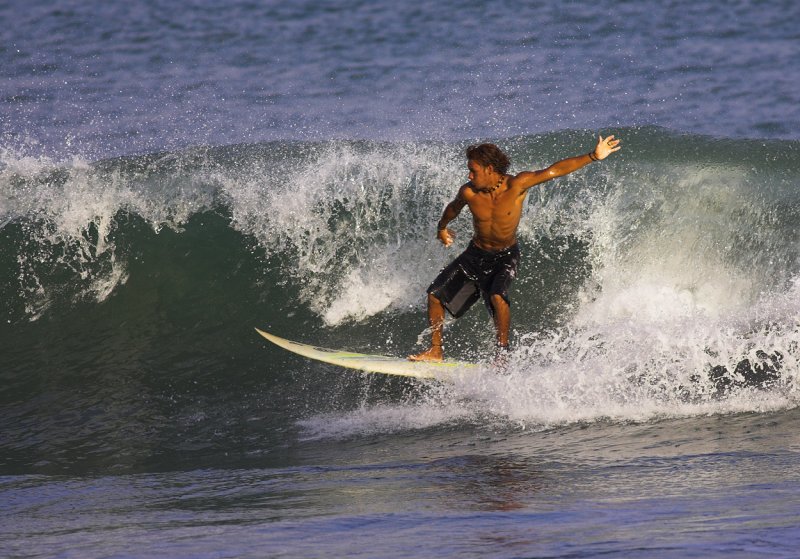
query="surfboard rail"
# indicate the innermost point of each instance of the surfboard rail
(380, 364)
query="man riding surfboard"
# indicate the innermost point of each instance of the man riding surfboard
(489, 264)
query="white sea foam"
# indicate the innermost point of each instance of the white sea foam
(624, 373)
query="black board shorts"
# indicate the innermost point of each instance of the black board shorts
(474, 273)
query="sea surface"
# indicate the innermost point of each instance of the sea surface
(176, 174)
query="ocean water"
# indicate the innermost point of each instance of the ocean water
(172, 176)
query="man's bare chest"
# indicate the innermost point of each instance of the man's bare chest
(503, 207)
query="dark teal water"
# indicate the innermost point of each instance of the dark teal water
(171, 179)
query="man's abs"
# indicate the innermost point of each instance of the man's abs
(493, 245)
(495, 235)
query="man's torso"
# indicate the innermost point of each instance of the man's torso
(495, 215)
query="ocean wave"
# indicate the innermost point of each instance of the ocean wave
(672, 225)
(642, 277)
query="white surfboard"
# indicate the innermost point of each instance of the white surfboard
(373, 363)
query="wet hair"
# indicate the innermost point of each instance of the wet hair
(489, 154)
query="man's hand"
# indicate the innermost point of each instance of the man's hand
(446, 236)
(606, 147)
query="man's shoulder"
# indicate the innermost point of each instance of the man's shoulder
(526, 179)
(466, 191)
(516, 182)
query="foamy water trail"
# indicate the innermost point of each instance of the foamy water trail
(619, 371)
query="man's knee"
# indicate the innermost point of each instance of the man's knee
(498, 302)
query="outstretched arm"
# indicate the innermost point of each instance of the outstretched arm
(451, 212)
(604, 148)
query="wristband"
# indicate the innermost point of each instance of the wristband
(593, 157)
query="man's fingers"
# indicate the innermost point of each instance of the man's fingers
(445, 237)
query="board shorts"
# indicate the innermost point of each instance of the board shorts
(475, 273)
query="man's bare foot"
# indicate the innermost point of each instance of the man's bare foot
(501, 357)
(432, 354)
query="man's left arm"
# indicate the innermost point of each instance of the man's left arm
(604, 148)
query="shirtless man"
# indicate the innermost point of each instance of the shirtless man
(489, 264)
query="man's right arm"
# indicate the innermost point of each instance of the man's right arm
(451, 212)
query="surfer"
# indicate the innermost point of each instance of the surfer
(489, 264)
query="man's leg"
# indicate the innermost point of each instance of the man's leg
(436, 322)
(502, 323)
(502, 319)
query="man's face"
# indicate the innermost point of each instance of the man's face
(480, 176)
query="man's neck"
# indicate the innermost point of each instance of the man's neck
(498, 184)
